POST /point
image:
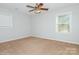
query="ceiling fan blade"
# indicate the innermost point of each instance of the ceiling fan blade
(44, 9)
(30, 6)
(31, 10)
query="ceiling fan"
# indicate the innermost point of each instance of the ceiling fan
(38, 8)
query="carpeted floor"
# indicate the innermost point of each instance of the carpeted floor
(38, 46)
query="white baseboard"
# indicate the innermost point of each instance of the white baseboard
(19, 37)
(44, 37)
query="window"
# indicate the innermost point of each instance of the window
(63, 22)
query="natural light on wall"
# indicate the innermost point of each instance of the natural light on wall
(5, 21)
(63, 22)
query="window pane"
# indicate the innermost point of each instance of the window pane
(63, 19)
(63, 27)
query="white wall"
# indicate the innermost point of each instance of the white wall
(44, 25)
(21, 26)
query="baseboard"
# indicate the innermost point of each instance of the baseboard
(20, 37)
(44, 37)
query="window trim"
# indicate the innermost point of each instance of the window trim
(61, 14)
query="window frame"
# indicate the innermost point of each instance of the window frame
(62, 14)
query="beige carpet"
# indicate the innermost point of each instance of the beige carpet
(38, 46)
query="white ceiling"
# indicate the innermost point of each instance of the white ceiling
(21, 7)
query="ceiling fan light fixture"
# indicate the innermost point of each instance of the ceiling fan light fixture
(37, 11)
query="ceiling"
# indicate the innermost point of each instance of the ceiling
(21, 7)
